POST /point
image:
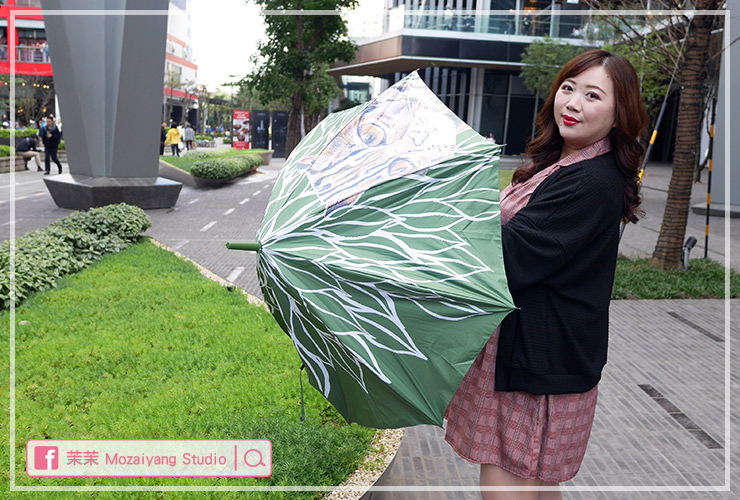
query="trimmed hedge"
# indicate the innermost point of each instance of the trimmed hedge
(67, 246)
(200, 154)
(4, 151)
(19, 133)
(225, 168)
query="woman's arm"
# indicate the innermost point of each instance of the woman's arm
(568, 210)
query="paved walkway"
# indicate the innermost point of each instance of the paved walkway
(660, 421)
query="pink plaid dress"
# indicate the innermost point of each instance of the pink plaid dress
(543, 436)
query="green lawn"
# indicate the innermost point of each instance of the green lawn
(705, 278)
(504, 178)
(185, 163)
(140, 345)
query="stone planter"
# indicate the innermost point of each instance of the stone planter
(176, 174)
(62, 156)
(266, 157)
(6, 165)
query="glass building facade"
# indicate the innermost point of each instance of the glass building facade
(469, 53)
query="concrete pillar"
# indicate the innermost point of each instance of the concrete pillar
(109, 74)
(727, 115)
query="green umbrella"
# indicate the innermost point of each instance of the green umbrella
(380, 255)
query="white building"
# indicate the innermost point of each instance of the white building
(180, 101)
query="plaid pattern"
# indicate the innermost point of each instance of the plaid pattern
(529, 435)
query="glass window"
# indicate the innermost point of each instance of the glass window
(534, 25)
(495, 82)
(492, 116)
(571, 26)
(502, 24)
(518, 87)
(521, 112)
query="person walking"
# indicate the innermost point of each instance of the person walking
(162, 138)
(189, 136)
(525, 408)
(27, 150)
(51, 138)
(173, 139)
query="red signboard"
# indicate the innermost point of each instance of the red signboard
(240, 129)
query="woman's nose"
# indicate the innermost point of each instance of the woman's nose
(574, 103)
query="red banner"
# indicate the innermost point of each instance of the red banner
(240, 129)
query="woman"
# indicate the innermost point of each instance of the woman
(524, 410)
(173, 139)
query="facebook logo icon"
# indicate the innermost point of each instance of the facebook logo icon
(46, 458)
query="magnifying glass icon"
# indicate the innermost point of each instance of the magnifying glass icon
(260, 461)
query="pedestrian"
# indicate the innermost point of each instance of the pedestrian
(189, 136)
(162, 138)
(525, 409)
(491, 137)
(181, 130)
(27, 150)
(51, 138)
(173, 139)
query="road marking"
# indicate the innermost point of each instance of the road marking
(207, 226)
(180, 245)
(22, 183)
(6, 223)
(243, 201)
(234, 274)
(229, 211)
(193, 201)
(257, 192)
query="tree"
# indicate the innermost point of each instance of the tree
(543, 60)
(685, 38)
(291, 64)
(34, 97)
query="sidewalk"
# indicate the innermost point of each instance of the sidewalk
(675, 347)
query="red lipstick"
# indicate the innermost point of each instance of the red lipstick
(569, 120)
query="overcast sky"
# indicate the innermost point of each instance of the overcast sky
(224, 35)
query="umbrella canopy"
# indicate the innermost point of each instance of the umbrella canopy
(380, 255)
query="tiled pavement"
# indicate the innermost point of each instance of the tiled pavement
(637, 440)
(660, 420)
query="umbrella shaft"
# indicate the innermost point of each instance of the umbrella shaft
(253, 246)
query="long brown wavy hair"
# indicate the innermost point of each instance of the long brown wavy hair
(631, 121)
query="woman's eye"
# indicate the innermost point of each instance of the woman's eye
(593, 95)
(566, 87)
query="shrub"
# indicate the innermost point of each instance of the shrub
(201, 137)
(196, 153)
(227, 140)
(62, 146)
(4, 151)
(19, 133)
(67, 246)
(225, 168)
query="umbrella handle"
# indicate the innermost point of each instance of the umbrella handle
(252, 246)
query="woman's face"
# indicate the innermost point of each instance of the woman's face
(584, 109)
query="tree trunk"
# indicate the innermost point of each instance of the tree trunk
(667, 253)
(294, 124)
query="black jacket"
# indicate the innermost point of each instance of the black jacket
(560, 254)
(27, 144)
(53, 141)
